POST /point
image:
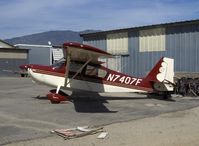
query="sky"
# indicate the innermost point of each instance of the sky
(24, 17)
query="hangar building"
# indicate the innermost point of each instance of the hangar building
(11, 58)
(42, 54)
(137, 49)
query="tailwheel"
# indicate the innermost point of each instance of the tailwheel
(166, 95)
(56, 98)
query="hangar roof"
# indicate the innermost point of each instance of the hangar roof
(196, 21)
(4, 44)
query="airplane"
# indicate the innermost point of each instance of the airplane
(81, 70)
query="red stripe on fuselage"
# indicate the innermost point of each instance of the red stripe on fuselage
(98, 80)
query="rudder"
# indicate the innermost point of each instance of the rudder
(162, 75)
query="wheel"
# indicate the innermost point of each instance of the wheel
(54, 102)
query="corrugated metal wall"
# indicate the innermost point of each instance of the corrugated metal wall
(39, 55)
(141, 62)
(11, 59)
(10, 67)
(97, 41)
(126, 64)
(182, 44)
(7, 54)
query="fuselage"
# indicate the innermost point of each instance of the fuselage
(93, 78)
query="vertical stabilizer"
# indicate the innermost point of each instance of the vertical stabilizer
(162, 74)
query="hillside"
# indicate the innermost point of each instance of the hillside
(55, 37)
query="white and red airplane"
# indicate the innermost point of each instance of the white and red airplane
(80, 69)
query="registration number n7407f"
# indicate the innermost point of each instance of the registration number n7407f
(123, 79)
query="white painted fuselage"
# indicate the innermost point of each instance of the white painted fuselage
(75, 84)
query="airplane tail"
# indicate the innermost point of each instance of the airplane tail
(162, 75)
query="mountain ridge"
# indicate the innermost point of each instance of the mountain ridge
(56, 37)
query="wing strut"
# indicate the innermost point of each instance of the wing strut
(79, 70)
(67, 69)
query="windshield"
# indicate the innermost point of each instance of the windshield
(59, 63)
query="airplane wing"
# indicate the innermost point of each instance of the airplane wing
(83, 53)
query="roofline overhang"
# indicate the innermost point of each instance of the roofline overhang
(189, 22)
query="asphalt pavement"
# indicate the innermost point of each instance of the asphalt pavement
(25, 112)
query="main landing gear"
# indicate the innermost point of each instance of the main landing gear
(56, 98)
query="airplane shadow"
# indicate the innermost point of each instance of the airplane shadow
(160, 97)
(94, 103)
(86, 104)
(41, 97)
(89, 103)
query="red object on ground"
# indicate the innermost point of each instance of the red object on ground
(57, 97)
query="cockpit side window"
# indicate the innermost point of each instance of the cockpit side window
(59, 63)
(75, 66)
(102, 73)
(91, 70)
(95, 71)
